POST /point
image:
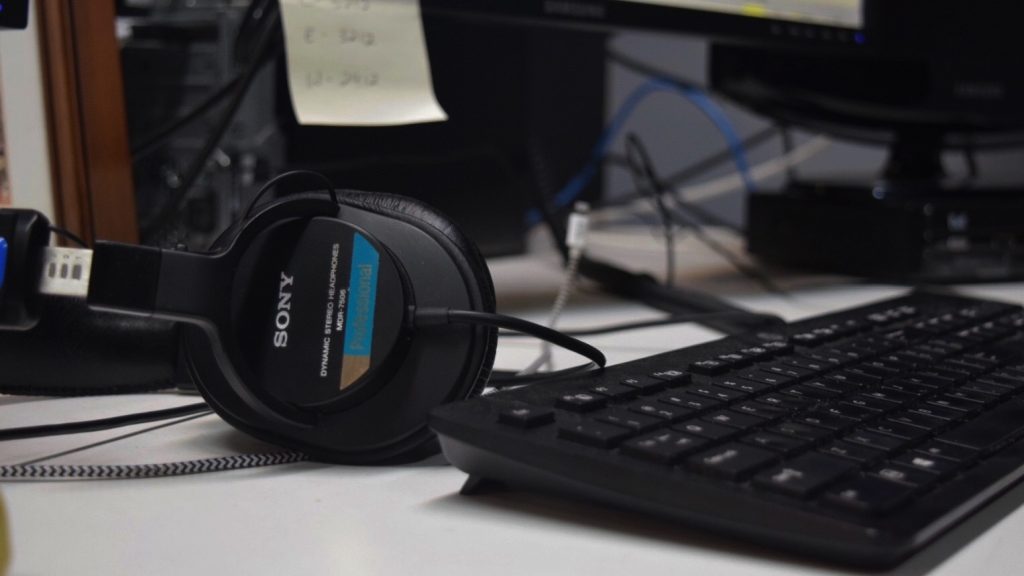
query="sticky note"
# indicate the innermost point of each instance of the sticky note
(358, 63)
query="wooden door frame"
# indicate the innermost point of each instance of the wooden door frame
(94, 193)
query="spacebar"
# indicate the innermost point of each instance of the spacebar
(989, 429)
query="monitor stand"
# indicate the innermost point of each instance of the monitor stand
(913, 225)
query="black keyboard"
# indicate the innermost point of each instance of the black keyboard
(856, 437)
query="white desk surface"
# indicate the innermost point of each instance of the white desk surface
(313, 518)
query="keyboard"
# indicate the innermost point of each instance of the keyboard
(857, 437)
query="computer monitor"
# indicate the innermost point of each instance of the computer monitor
(919, 77)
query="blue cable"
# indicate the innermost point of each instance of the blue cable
(571, 191)
(3, 260)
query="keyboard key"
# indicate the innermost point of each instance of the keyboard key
(742, 384)
(778, 347)
(868, 495)
(708, 430)
(997, 392)
(990, 429)
(718, 393)
(628, 419)
(892, 394)
(969, 396)
(872, 403)
(793, 372)
(689, 401)
(904, 475)
(804, 475)
(672, 377)
(783, 401)
(951, 452)
(709, 367)
(765, 377)
(756, 353)
(930, 464)
(614, 391)
(596, 434)
(846, 410)
(784, 445)
(800, 430)
(918, 420)
(733, 361)
(958, 404)
(666, 447)
(810, 394)
(645, 385)
(526, 416)
(581, 402)
(733, 419)
(832, 386)
(763, 411)
(898, 430)
(874, 440)
(854, 378)
(660, 410)
(808, 363)
(825, 420)
(732, 461)
(946, 414)
(855, 452)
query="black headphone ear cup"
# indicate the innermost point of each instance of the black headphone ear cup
(433, 266)
(460, 248)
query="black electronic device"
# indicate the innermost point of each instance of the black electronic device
(927, 80)
(921, 80)
(326, 323)
(14, 14)
(858, 437)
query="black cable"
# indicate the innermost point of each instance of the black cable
(648, 70)
(695, 170)
(651, 175)
(645, 289)
(156, 139)
(172, 206)
(68, 234)
(667, 321)
(751, 272)
(501, 380)
(254, 12)
(444, 316)
(291, 174)
(102, 423)
(643, 179)
(970, 156)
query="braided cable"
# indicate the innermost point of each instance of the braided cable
(157, 470)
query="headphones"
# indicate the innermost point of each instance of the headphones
(326, 323)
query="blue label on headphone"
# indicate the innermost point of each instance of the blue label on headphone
(362, 305)
(3, 260)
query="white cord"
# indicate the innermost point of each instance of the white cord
(576, 241)
(732, 182)
(759, 173)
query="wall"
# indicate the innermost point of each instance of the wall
(24, 116)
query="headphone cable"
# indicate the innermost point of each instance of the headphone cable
(424, 317)
(102, 423)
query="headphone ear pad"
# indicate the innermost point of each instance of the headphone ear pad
(459, 247)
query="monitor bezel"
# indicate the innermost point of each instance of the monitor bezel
(626, 15)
